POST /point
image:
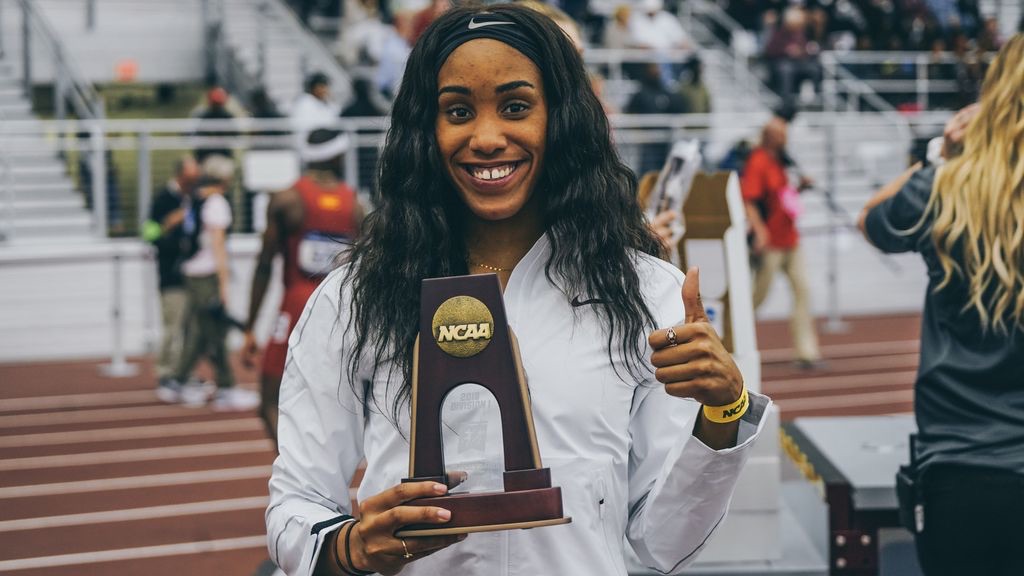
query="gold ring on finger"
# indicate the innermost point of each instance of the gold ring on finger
(671, 335)
(407, 555)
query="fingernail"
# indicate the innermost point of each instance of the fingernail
(444, 514)
(440, 488)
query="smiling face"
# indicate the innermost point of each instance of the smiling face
(491, 127)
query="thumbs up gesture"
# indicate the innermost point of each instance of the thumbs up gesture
(690, 359)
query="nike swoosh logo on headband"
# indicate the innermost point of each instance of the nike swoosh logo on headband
(473, 24)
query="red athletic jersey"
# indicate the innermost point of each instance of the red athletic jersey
(328, 227)
(763, 179)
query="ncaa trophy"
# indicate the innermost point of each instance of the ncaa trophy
(464, 338)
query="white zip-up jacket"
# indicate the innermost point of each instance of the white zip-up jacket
(622, 452)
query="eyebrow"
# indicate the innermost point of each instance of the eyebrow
(512, 86)
(506, 87)
(455, 90)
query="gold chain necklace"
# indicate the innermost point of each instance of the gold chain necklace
(486, 267)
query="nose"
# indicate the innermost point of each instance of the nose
(488, 135)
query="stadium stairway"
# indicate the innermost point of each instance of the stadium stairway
(37, 197)
(290, 51)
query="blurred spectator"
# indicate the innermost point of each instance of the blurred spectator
(653, 27)
(772, 206)
(990, 40)
(206, 223)
(366, 104)
(216, 109)
(617, 32)
(164, 229)
(791, 57)
(424, 17)
(967, 70)
(264, 108)
(374, 41)
(309, 225)
(654, 98)
(313, 108)
(694, 94)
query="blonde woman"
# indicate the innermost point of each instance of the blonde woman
(966, 218)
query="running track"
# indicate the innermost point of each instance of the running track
(98, 478)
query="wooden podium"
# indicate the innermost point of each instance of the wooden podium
(464, 338)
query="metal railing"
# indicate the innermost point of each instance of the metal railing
(638, 137)
(70, 85)
(922, 75)
(71, 93)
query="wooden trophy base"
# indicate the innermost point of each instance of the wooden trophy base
(490, 511)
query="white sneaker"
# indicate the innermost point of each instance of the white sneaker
(235, 400)
(169, 391)
(196, 394)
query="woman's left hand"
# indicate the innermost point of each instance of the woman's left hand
(690, 359)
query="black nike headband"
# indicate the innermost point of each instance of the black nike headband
(493, 26)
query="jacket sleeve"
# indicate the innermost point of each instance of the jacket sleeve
(679, 489)
(320, 436)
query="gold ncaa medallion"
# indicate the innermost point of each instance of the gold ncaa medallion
(462, 326)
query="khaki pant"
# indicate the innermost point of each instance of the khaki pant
(205, 335)
(172, 314)
(801, 323)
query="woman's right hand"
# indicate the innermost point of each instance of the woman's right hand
(374, 546)
(956, 127)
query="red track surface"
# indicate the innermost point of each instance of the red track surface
(97, 477)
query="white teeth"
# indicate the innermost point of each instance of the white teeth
(493, 173)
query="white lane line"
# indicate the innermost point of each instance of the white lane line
(847, 401)
(100, 415)
(77, 400)
(137, 455)
(131, 433)
(205, 546)
(846, 350)
(813, 385)
(147, 513)
(845, 365)
(135, 482)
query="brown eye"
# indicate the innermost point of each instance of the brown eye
(516, 108)
(458, 113)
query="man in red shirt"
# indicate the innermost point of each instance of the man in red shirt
(309, 224)
(772, 206)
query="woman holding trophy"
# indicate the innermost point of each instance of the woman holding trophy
(499, 160)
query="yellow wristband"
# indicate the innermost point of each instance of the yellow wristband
(729, 412)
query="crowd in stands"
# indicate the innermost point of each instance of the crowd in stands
(789, 37)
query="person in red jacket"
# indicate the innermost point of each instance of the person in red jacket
(772, 206)
(310, 225)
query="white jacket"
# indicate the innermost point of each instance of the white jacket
(622, 452)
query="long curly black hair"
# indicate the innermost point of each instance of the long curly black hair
(591, 215)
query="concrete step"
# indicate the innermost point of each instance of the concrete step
(35, 209)
(38, 191)
(79, 225)
(40, 172)
(11, 91)
(20, 107)
(25, 157)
